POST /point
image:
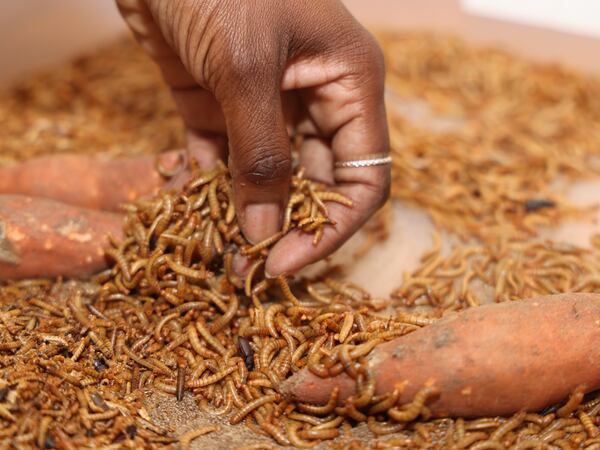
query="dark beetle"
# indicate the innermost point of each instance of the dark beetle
(99, 364)
(246, 352)
(538, 203)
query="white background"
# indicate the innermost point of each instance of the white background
(573, 16)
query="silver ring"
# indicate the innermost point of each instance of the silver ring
(375, 160)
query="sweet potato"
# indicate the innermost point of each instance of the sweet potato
(89, 181)
(492, 360)
(45, 238)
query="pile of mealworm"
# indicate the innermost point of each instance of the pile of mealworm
(511, 131)
(76, 360)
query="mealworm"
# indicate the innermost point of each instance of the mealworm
(119, 258)
(43, 431)
(324, 434)
(179, 340)
(12, 345)
(261, 382)
(213, 202)
(187, 271)
(414, 319)
(573, 402)
(149, 271)
(287, 292)
(299, 352)
(295, 440)
(412, 410)
(217, 241)
(272, 310)
(259, 446)
(262, 245)
(365, 389)
(223, 320)
(199, 370)
(203, 180)
(315, 294)
(232, 277)
(487, 445)
(187, 355)
(162, 323)
(47, 306)
(259, 289)
(346, 327)
(6, 414)
(102, 416)
(283, 363)
(305, 418)
(563, 444)
(101, 343)
(481, 424)
(287, 216)
(144, 363)
(274, 432)
(23, 438)
(243, 412)
(266, 352)
(333, 423)
(364, 349)
(334, 197)
(165, 387)
(63, 441)
(553, 435)
(349, 409)
(237, 400)
(344, 290)
(186, 438)
(318, 236)
(211, 379)
(382, 428)
(210, 339)
(507, 426)
(177, 239)
(314, 357)
(347, 361)
(322, 410)
(588, 424)
(290, 343)
(78, 314)
(212, 297)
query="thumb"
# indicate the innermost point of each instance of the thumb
(259, 159)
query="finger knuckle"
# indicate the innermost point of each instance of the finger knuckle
(386, 191)
(383, 191)
(243, 65)
(266, 167)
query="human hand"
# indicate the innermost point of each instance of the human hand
(259, 72)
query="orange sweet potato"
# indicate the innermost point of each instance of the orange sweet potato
(89, 181)
(45, 238)
(492, 360)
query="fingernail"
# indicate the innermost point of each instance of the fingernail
(270, 276)
(261, 220)
(241, 265)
